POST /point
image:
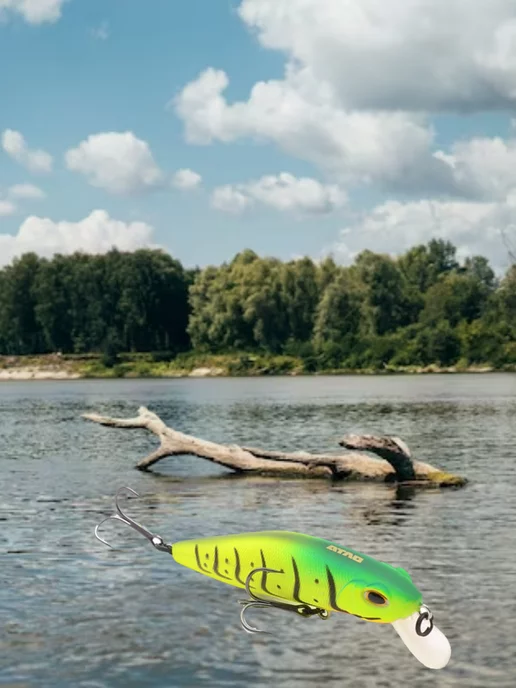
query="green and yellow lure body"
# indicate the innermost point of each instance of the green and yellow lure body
(307, 570)
(310, 575)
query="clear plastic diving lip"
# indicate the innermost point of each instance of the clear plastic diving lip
(433, 650)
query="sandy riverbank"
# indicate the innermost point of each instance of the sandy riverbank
(75, 370)
(37, 374)
(191, 365)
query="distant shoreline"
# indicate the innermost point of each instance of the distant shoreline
(146, 366)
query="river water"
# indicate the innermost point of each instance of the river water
(74, 613)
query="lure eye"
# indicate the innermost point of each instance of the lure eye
(376, 598)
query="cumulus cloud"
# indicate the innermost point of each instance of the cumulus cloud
(186, 180)
(288, 193)
(26, 191)
(305, 121)
(118, 162)
(283, 192)
(97, 233)
(403, 54)
(33, 11)
(473, 227)
(18, 192)
(16, 147)
(483, 168)
(229, 199)
(362, 80)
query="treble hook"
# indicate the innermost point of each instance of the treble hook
(303, 610)
(155, 540)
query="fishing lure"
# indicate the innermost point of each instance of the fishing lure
(309, 576)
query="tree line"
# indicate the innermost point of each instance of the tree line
(423, 307)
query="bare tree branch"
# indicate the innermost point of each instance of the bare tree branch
(395, 463)
(392, 449)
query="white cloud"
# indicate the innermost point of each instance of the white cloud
(15, 146)
(15, 193)
(305, 121)
(394, 227)
(118, 162)
(483, 168)
(284, 192)
(288, 193)
(33, 11)
(96, 233)
(362, 78)
(6, 208)
(26, 191)
(402, 54)
(228, 199)
(186, 180)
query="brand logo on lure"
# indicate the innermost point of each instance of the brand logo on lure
(344, 553)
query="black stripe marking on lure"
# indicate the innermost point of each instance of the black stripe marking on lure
(297, 583)
(198, 558)
(264, 574)
(333, 599)
(333, 591)
(237, 567)
(216, 565)
(264, 578)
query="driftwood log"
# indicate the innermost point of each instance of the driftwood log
(395, 464)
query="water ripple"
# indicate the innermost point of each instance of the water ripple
(74, 613)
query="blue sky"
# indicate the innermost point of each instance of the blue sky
(109, 67)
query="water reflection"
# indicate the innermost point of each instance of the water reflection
(394, 509)
(74, 613)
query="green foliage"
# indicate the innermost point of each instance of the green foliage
(507, 299)
(390, 301)
(19, 331)
(253, 303)
(440, 344)
(111, 350)
(422, 265)
(105, 303)
(455, 298)
(481, 342)
(162, 356)
(259, 315)
(338, 315)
